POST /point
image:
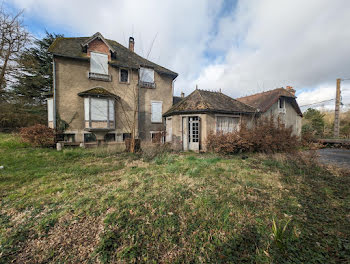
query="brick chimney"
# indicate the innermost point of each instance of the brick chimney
(290, 89)
(182, 94)
(131, 44)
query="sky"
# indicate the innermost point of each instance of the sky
(239, 46)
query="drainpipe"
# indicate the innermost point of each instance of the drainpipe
(54, 91)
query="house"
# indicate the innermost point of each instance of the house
(103, 90)
(281, 103)
(189, 121)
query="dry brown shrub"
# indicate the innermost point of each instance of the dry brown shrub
(38, 135)
(267, 136)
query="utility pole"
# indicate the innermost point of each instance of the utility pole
(337, 111)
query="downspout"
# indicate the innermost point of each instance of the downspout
(54, 91)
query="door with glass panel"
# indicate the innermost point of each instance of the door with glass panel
(194, 132)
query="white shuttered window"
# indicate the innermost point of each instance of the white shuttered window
(227, 124)
(98, 63)
(156, 112)
(100, 108)
(50, 109)
(147, 75)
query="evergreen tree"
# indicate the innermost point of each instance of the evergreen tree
(34, 78)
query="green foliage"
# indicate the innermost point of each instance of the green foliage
(314, 123)
(279, 233)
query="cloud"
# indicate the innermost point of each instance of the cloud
(241, 48)
(269, 44)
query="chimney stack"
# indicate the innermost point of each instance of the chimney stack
(131, 44)
(182, 94)
(290, 89)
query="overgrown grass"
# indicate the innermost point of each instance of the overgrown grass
(86, 205)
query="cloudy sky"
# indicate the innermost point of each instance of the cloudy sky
(238, 46)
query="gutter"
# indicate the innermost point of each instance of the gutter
(54, 91)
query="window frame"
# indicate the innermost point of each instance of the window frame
(120, 75)
(229, 116)
(161, 113)
(88, 112)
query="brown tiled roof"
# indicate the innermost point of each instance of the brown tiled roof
(73, 48)
(263, 101)
(98, 92)
(201, 101)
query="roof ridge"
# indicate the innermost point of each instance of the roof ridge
(268, 91)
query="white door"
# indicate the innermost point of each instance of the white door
(194, 135)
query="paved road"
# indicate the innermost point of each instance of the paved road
(338, 157)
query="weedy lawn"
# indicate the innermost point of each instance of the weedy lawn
(87, 206)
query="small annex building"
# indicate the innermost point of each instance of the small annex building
(191, 119)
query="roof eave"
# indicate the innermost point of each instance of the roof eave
(206, 111)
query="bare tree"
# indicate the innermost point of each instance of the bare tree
(13, 38)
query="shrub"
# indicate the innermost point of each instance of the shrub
(266, 136)
(38, 135)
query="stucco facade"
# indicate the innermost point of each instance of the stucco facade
(71, 77)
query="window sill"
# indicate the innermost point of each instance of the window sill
(147, 85)
(124, 82)
(100, 77)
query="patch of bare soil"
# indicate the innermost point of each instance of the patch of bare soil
(70, 241)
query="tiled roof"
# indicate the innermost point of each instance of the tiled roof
(98, 92)
(73, 48)
(263, 101)
(201, 101)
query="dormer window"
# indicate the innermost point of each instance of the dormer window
(147, 77)
(99, 66)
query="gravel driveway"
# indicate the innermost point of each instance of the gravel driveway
(338, 157)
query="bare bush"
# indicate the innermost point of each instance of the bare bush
(38, 135)
(267, 136)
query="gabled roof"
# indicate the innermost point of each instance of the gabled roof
(98, 92)
(201, 101)
(98, 35)
(263, 101)
(73, 48)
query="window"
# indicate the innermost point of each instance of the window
(227, 124)
(124, 76)
(89, 138)
(99, 112)
(110, 137)
(98, 63)
(281, 103)
(157, 137)
(69, 137)
(156, 112)
(147, 75)
(50, 109)
(126, 135)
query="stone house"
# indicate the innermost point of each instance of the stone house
(102, 90)
(191, 119)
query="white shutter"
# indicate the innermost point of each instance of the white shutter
(86, 108)
(98, 109)
(50, 109)
(111, 110)
(169, 129)
(99, 63)
(156, 112)
(147, 75)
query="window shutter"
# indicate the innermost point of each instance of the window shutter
(111, 110)
(156, 112)
(98, 63)
(98, 109)
(147, 75)
(50, 109)
(227, 124)
(86, 109)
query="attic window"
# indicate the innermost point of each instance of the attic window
(281, 103)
